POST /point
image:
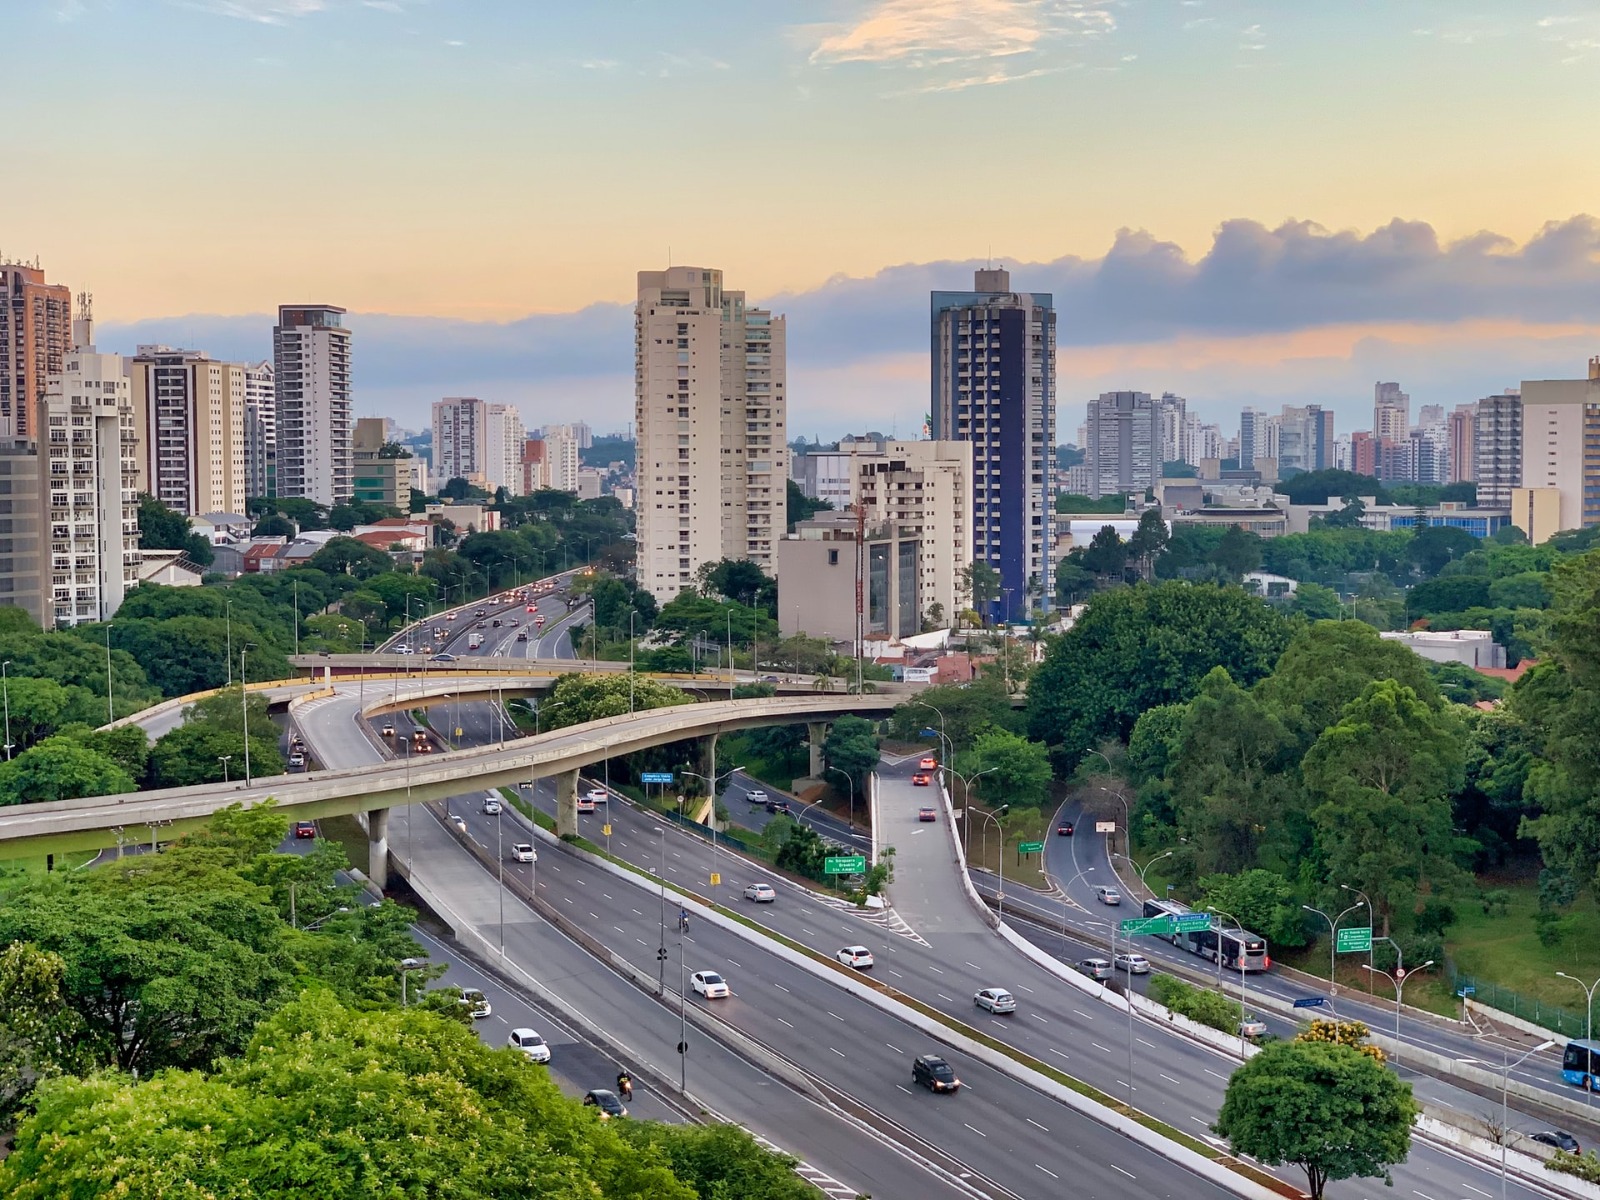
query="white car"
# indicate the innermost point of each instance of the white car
(404, 650)
(756, 796)
(761, 893)
(1252, 1027)
(476, 1003)
(598, 796)
(710, 985)
(996, 1000)
(530, 1043)
(858, 957)
(491, 807)
(524, 852)
(1133, 964)
(1108, 895)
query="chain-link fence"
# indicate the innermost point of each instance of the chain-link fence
(1554, 1017)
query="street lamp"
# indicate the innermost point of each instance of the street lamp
(223, 759)
(1333, 940)
(1589, 1026)
(1399, 980)
(966, 803)
(1345, 887)
(995, 816)
(1150, 863)
(1505, 1094)
(5, 687)
(849, 779)
(944, 740)
(407, 965)
(711, 782)
(1243, 1005)
(244, 708)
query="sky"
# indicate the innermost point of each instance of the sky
(1242, 202)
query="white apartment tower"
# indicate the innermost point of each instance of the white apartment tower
(561, 448)
(188, 414)
(260, 430)
(710, 408)
(90, 482)
(1391, 412)
(315, 422)
(479, 442)
(923, 490)
(1560, 433)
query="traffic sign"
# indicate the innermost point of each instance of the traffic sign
(845, 864)
(1105, 826)
(606, 829)
(1355, 939)
(1147, 926)
(1311, 1002)
(655, 776)
(716, 879)
(1466, 991)
(1193, 922)
(1030, 847)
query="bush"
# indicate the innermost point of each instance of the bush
(1584, 1166)
(1198, 1004)
(1342, 1033)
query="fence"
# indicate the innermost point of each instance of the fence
(1554, 1017)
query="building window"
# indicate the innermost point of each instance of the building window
(833, 558)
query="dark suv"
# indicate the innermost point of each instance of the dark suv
(933, 1073)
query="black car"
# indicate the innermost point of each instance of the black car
(1560, 1139)
(606, 1101)
(1064, 829)
(933, 1073)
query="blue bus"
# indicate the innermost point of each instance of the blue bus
(1580, 1065)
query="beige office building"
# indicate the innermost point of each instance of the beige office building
(1561, 449)
(189, 417)
(923, 490)
(819, 565)
(710, 408)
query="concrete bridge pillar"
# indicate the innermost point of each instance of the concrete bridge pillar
(567, 804)
(708, 758)
(378, 847)
(817, 734)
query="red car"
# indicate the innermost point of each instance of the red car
(305, 829)
(928, 764)
(920, 780)
(926, 814)
(1064, 829)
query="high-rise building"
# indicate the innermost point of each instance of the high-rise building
(560, 460)
(378, 479)
(710, 407)
(1460, 437)
(1251, 442)
(1391, 413)
(90, 481)
(1123, 443)
(35, 337)
(478, 441)
(534, 476)
(1497, 441)
(994, 385)
(189, 418)
(22, 565)
(1305, 438)
(923, 491)
(1560, 428)
(315, 422)
(1171, 414)
(260, 430)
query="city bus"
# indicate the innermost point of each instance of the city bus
(1240, 949)
(1580, 1065)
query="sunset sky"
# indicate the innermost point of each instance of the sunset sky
(1241, 202)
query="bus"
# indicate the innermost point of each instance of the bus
(1580, 1065)
(1240, 949)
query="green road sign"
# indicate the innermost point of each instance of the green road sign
(1354, 940)
(1147, 926)
(847, 864)
(1030, 847)
(1193, 922)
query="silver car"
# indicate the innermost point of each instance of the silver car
(1133, 964)
(996, 1000)
(1096, 968)
(1108, 895)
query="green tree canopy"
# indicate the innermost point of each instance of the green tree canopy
(350, 556)
(1137, 647)
(60, 768)
(1014, 769)
(1262, 901)
(578, 698)
(852, 747)
(960, 711)
(38, 1031)
(1325, 1108)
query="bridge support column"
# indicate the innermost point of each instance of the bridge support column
(378, 847)
(567, 804)
(816, 734)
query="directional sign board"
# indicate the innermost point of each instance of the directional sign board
(1147, 926)
(655, 776)
(844, 864)
(1030, 847)
(1354, 940)
(1105, 826)
(1311, 1002)
(1193, 922)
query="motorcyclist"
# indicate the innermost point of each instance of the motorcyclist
(683, 920)
(624, 1085)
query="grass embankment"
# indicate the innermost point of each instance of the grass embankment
(23, 868)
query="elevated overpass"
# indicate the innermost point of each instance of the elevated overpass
(98, 822)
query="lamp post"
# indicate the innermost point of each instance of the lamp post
(244, 708)
(297, 617)
(632, 643)
(1148, 864)
(661, 953)
(227, 625)
(943, 739)
(1505, 1094)
(711, 782)
(730, 654)
(1000, 833)
(1589, 1024)
(408, 965)
(1398, 979)
(1240, 956)
(1333, 940)
(966, 806)
(5, 688)
(1345, 887)
(850, 780)
(223, 759)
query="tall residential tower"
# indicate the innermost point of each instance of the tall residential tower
(188, 414)
(710, 407)
(311, 364)
(35, 337)
(994, 385)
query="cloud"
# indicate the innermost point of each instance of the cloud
(1264, 312)
(263, 12)
(924, 33)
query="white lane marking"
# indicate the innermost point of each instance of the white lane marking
(895, 973)
(641, 941)
(781, 988)
(1098, 1046)
(731, 963)
(840, 1053)
(976, 1130)
(942, 996)
(896, 1049)
(835, 1016)
(1047, 1171)
(1168, 1078)
(637, 913)
(1480, 1191)
(936, 970)
(1037, 1017)
(1053, 1050)
(1022, 987)
(974, 966)
(1142, 1042)
(1214, 1075)
(1036, 1124)
(1129, 1174)
(619, 929)
(786, 1023)
(806, 931)
(1083, 1014)
(903, 1088)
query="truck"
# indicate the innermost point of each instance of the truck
(474, 641)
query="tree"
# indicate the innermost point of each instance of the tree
(801, 507)
(60, 768)
(350, 556)
(578, 698)
(1262, 901)
(1238, 553)
(1106, 555)
(1013, 768)
(1450, 594)
(1343, 1033)
(960, 711)
(37, 1029)
(211, 728)
(1073, 580)
(1381, 779)
(718, 1159)
(1325, 1108)
(1316, 603)
(1318, 487)
(738, 580)
(1435, 546)
(160, 528)
(274, 525)
(1149, 541)
(852, 747)
(1134, 648)
(38, 708)
(980, 584)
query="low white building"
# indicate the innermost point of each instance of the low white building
(1469, 647)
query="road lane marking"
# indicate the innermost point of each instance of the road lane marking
(974, 966)
(637, 913)
(834, 1015)
(1037, 1017)
(1129, 1174)
(976, 1130)
(620, 929)
(1480, 1191)
(1083, 1014)
(781, 988)
(1022, 987)
(840, 1053)
(1047, 1171)
(786, 1023)
(1036, 1125)
(1142, 1042)
(1214, 1075)
(936, 970)
(903, 1088)
(895, 973)
(1053, 1050)
(942, 996)
(896, 1049)
(1168, 1078)
(1098, 1046)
